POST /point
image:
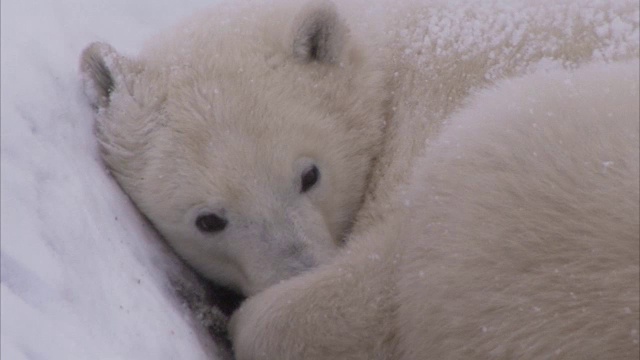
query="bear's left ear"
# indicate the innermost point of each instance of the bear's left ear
(103, 72)
(319, 34)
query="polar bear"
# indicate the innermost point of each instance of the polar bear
(259, 136)
(520, 239)
(268, 139)
(246, 143)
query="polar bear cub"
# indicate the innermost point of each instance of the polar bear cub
(248, 149)
(520, 239)
(258, 136)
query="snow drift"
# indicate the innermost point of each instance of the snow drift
(83, 275)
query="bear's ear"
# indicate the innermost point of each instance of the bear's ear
(103, 71)
(319, 33)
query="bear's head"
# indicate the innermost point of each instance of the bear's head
(246, 135)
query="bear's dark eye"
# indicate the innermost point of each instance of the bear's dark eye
(208, 223)
(309, 178)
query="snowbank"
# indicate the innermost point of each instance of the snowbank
(83, 276)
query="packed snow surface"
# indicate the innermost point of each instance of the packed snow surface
(83, 275)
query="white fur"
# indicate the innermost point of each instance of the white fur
(520, 240)
(242, 117)
(223, 114)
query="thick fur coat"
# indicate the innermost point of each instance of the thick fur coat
(495, 223)
(518, 240)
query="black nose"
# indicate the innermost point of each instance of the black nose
(225, 299)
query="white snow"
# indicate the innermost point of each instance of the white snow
(83, 276)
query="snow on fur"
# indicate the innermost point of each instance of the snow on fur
(82, 274)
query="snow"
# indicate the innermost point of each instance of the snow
(82, 274)
(507, 30)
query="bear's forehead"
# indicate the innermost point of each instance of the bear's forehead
(224, 127)
(236, 158)
(245, 144)
(238, 154)
(227, 169)
(230, 113)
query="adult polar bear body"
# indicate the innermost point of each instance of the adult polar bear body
(520, 240)
(229, 113)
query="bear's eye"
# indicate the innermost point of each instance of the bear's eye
(309, 178)
(208, 223)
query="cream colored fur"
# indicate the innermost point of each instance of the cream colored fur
(223, 114)
(519, 240)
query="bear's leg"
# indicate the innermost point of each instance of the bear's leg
(340, 311)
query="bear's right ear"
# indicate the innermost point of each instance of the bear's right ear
(319, 33)
(103, 71)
